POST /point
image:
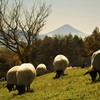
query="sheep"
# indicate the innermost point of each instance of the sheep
(95, 65)
(11, 78)
(2, 79)
(41, 69)
(25, 75)
(60, 63)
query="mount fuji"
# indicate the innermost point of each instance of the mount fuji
(66, 30)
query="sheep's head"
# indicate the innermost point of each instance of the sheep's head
(10, 87)
(92, 73)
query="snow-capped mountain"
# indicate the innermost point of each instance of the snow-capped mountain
(65, 30)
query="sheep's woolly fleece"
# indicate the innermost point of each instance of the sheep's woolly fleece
(41, 69)
(11, 75)
(60, 62)
(25, 74)
(95, 60)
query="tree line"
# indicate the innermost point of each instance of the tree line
(44, 51)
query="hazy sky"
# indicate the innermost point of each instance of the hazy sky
(83, 15)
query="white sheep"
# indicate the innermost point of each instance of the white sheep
(41, 69)
(60, 63)
(95, 65)
(25, 75)
(11, 78)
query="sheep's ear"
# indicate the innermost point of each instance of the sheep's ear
(86, 73)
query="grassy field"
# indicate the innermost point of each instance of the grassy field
(72, 86)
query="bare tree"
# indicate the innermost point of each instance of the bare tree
(19, 27)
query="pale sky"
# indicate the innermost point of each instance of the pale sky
(83, 15)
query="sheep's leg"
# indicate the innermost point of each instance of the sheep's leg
(56, 75)
(62, 72)
(93, 74)
(21, 89)
(59, 72)
(28, 88)
(14, 87)
(99, 75)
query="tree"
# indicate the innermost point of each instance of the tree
(19, 28)
(45, 53)
(71, 47)
(92, 42)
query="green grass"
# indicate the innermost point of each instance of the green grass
(72, 86)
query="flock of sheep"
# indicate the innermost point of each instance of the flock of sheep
(23, 75)
(20, 77)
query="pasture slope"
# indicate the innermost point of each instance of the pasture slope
(72, 86)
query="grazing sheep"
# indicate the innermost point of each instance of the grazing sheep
(25, 75)
(95, 65)
(2, 79)
(60, 63)
(11, 78)
(41, 69)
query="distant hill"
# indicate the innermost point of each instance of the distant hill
(65, 30)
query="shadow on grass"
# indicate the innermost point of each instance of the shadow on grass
(31, 91)
(62, 76)
(96, 81)
(92, 82)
